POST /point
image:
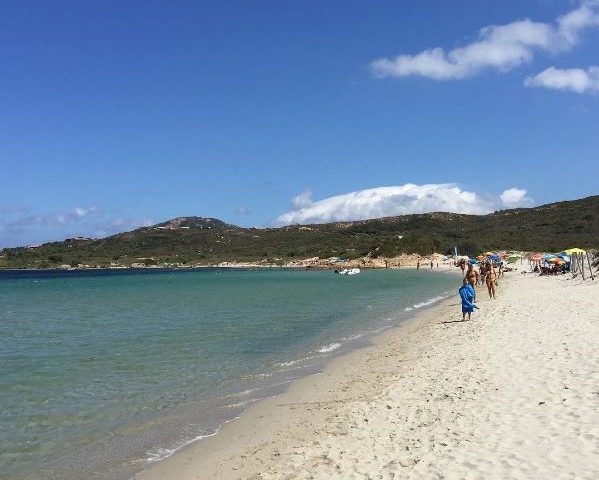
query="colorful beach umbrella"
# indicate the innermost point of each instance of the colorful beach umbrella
(564, 256)
(536, 257)
(570, 251)
(513, 257)
(473, 261)
(548, 256)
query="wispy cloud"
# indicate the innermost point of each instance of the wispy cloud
(572, 79)
(498, 47)
(19, 226)
(400, 200)
(111, 226)
(243, 211)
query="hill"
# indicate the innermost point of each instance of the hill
(199, 240)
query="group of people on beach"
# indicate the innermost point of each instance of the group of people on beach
(487, 274)
(431, 264)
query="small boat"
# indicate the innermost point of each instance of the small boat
(348, 271)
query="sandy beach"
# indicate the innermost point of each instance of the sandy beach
(514, 393)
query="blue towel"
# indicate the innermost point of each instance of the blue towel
(467, 295)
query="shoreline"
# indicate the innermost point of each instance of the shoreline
(205, 267)
(444, 267)
(315, 263)
(404, 317)
(431, 396)
(235, 433)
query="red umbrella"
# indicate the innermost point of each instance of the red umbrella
(537, 257)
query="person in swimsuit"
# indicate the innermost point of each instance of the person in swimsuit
(483, 271)
(491, 279)
(472, 278)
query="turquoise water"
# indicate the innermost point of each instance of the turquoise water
(102, 373)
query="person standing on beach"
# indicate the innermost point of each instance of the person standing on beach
(466, 292)
(418, 265)
(431, 264)
(472, 277)
(491, 279)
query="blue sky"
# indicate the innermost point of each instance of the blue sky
(124, 113)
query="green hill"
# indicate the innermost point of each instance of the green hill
(199, 240)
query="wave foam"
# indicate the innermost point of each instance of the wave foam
(162, 453)
(427, 302)
(329, 348)
(291, 363)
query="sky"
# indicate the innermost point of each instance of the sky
(120, 114)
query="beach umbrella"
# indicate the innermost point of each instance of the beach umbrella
(570, 251)
(536, 257)
(512, 258)
(563, 256)
(548, 256)
(556, 260)
(495, 258)
(473, 261)
(480, 257)
(488, 254)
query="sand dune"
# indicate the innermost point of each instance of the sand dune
(514, 393)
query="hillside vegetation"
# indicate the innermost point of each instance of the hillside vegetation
(197, 240)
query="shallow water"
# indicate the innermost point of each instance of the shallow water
(104, 372)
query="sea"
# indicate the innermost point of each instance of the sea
(105, 372)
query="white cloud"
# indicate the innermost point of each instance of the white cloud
(573, 79)
(573, 23)
(499, 47)
(302, 200)
(515, 197)
(396, 200)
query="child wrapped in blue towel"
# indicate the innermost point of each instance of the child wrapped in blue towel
(466, 292)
